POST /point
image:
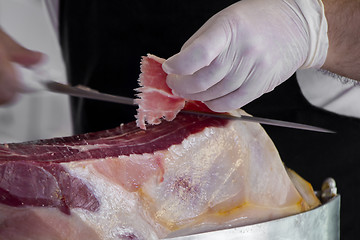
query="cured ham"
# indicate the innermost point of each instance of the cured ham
(186, 175)
(156, 100)
(189, 175)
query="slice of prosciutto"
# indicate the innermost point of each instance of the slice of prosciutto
(156, 100)
(190, 175)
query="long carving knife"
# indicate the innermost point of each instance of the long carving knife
(84, 92)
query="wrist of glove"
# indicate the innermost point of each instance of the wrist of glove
(247, 50)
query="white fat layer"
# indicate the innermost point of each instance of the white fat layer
(223, 169)
(120, 212)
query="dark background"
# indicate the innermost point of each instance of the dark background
(103, 42)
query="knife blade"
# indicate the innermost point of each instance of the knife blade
(85, 92)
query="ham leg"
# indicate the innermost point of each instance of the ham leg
(189, 175)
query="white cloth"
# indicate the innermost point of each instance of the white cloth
(330, 92)
(42, 114)
(52, 9)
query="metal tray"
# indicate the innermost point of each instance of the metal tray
(321, 223)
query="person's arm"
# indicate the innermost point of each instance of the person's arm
(12, 52)
(343, 17)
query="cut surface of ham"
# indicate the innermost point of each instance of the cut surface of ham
(190, 175)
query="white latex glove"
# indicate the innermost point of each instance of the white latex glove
(247, 50)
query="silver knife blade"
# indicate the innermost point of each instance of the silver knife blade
(84, 92)
(266, 121)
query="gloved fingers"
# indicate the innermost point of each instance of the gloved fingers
(232, 81)
(200, 52)
(219, 90)
(201, 80)
(247, 92)
(231, 101)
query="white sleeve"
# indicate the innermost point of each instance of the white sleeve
(329, 91)
(52, 11)
(41, 114)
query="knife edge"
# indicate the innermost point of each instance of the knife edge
(85, 92)
(266, 121)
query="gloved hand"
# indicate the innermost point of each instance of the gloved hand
(247, 50)
(11, 52)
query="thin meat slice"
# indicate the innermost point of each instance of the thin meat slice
(192, 174)
(156, 100)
